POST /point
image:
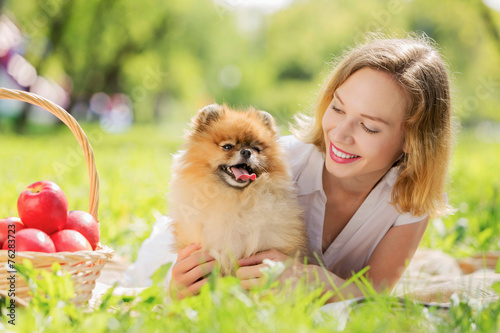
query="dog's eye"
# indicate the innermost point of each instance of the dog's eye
(257, 149)
(227, 147)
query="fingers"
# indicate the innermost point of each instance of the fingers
(185, 265)
(254, 259)
(186, 252)
(251, 276)
(250, 272)
(189, 270)
(192, 268)
(260, 256)
(195, 274)
(193, 289)
(252, 283)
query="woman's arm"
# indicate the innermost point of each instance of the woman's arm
(387, 264)
(393, 253)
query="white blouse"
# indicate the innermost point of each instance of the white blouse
(352, 248)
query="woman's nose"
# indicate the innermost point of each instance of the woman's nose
(342, 133)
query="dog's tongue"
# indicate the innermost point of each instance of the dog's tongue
(242, 173)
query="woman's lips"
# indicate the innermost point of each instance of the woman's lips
(340, 156)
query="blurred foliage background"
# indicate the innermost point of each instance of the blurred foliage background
(172, 57)
(133, 73)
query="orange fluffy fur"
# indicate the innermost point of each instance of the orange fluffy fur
(208, 208)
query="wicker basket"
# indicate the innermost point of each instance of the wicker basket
(84, 266)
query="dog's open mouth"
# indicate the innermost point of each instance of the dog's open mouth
(239, 172)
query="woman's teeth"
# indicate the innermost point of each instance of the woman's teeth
(341, 154)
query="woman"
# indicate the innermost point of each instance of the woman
(371, 167)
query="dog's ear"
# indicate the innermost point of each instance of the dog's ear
(268, 120)
(206, 115)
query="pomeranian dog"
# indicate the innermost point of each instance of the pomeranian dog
(231, 190)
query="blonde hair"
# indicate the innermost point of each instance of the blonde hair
(416, 66)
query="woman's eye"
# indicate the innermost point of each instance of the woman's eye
(367, 130)
(336, 109)
(227, 147)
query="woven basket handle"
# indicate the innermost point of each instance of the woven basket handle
(68, 119)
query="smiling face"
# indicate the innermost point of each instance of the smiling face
(363, 126)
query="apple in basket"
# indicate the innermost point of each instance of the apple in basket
(9, 225)
(85, 224)
(70, 240)
(30, 239)
(43, 205)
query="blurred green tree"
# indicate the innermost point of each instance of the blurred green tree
(174, 57)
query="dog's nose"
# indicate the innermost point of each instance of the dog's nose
(245, 153)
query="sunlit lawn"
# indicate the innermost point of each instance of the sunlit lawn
(134, 170)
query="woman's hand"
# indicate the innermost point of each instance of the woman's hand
(250, 271)
(189, 271)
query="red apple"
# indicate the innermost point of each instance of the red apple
(9, 225)
(85, 224)
(70, 240)
(30, 239)
(43, 206)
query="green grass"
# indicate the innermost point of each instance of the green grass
(134, 170)
(223, 306)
